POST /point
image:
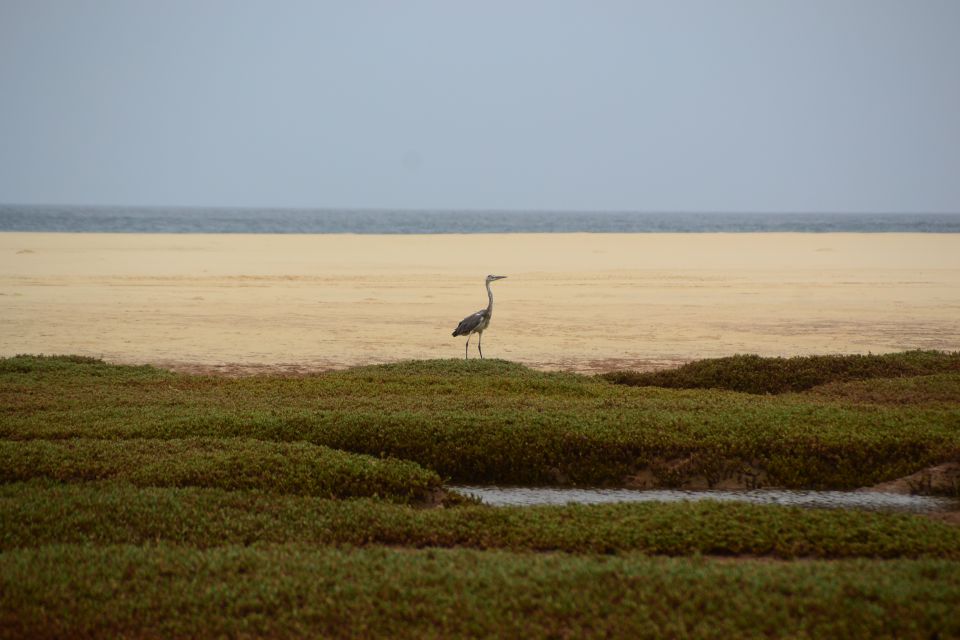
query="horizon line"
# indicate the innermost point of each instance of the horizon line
(438, 210)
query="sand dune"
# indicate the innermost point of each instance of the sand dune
(583, 302)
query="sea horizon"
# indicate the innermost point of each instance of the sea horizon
(185, 219)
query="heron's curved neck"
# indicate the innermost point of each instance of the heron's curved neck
(490, 296)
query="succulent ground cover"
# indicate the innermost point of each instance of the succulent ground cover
(297, 591)
(755, 374)
(296, 468)
(46, 512)
(494, 421)
(139, 502)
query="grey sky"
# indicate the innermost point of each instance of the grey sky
(765, 105)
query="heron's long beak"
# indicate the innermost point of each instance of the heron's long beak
(499, 277)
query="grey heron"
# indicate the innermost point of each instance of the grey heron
(475, 323)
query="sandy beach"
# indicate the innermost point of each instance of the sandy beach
(583, 302)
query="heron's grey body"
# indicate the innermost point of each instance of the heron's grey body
(476, 323)
(473, 323)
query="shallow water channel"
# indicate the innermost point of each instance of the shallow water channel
(871, 500)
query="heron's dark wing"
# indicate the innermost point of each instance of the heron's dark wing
(468, 324)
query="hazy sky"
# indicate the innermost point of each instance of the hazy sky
(764, 105)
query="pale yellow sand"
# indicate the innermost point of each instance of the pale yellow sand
(575, 301)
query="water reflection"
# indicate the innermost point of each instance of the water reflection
(528, 496)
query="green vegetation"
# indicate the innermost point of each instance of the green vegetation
(43, 513)
(753, 374)
(494, 421)
(137, 502)
(297, 591)
(937, 390)
(233, 463)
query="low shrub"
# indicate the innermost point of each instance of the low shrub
(44, 513)
(300, 591)
(481, 421)
(295, 468)
(754, 374)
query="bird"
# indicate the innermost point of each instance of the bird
(475, 323)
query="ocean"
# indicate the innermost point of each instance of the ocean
(367, 221)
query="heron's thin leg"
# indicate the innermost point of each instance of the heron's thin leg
(479, 339)
(466, 348)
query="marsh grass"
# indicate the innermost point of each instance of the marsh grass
(303, 591)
